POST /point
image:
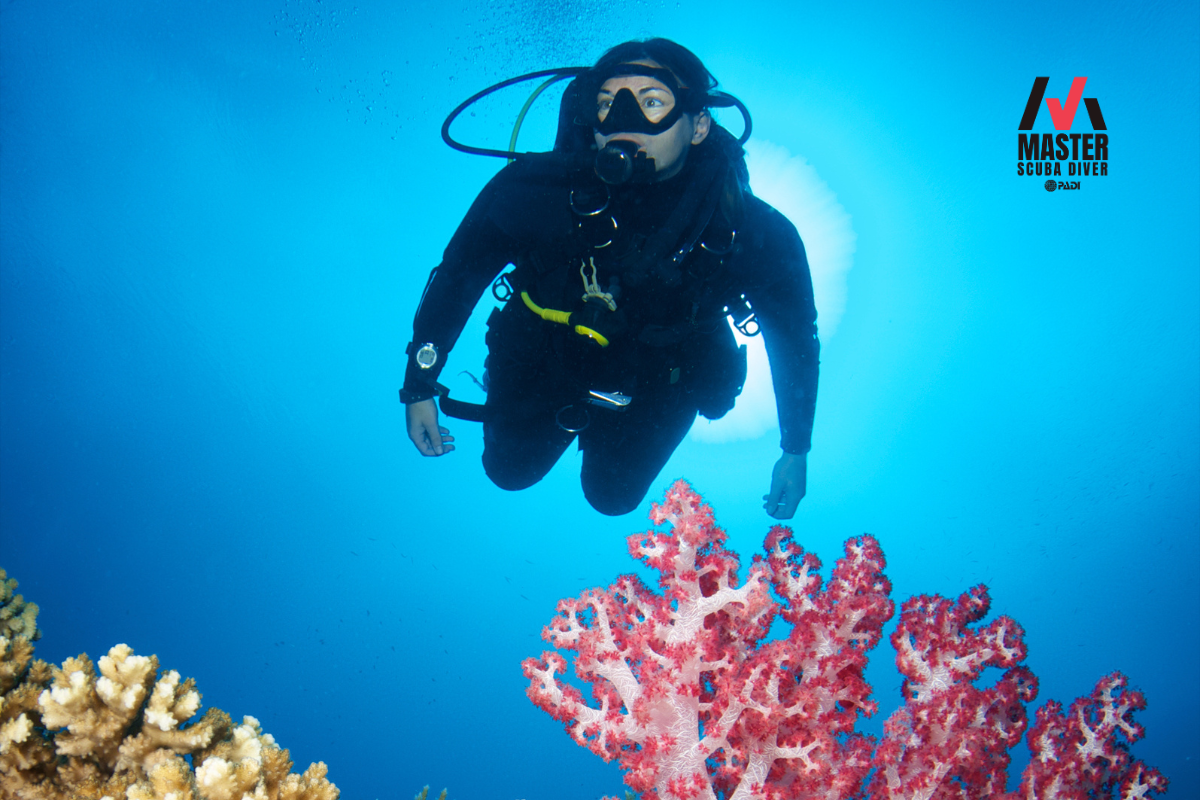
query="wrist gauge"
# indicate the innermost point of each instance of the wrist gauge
(427, 356)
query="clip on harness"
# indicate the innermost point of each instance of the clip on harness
(591, 291)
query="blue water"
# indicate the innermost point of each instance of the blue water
(215, 223)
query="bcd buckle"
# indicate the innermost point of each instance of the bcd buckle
(502, 289)
(742, 314)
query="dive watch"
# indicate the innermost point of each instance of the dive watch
(427, 356)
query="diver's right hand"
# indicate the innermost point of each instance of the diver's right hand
(430, 438)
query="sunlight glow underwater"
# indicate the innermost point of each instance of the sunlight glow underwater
(792, 186)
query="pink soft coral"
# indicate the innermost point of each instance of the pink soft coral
(694, 703)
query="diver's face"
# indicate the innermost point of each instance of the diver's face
(668, 149)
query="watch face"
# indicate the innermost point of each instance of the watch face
(427, 356)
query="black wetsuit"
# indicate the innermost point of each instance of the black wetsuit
(670, 347)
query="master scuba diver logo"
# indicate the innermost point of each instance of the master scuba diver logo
(1044, 154)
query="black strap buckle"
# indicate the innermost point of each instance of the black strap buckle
(502, 289)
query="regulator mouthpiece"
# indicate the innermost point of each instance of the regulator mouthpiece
(621, 162)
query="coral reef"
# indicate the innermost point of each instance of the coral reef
(695, 702)
(66, 733)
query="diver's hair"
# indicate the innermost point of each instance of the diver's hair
(686, 66)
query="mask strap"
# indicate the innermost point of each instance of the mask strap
(660, 74)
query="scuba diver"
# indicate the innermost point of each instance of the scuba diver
(633, 241)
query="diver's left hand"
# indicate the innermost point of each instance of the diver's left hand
(788, 480)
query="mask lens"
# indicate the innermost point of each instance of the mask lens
(625, 115)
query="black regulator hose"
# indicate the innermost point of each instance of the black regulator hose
(563, 72)
(716, 100)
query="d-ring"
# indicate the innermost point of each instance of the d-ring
(558, 419)
(580, 223)
(725, 250)
(600, 210)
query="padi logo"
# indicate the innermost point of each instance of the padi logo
(1049, 154)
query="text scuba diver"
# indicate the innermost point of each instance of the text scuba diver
(1085, 153)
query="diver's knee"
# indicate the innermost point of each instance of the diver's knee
(509, 479)
(513, 470)
(612, 505)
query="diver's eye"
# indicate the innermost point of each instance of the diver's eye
(652, 102)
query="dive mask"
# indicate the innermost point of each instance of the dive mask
(620, 161)
(625, 115)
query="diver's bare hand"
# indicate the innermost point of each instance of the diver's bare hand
(788, 480)
(430, 438)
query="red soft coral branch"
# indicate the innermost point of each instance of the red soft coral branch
(951, 739)
(695, 703)
(1085, 753)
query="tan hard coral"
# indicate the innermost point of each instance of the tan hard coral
(17, 618)
(27, 760)
(248, 762)
(67, 733)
